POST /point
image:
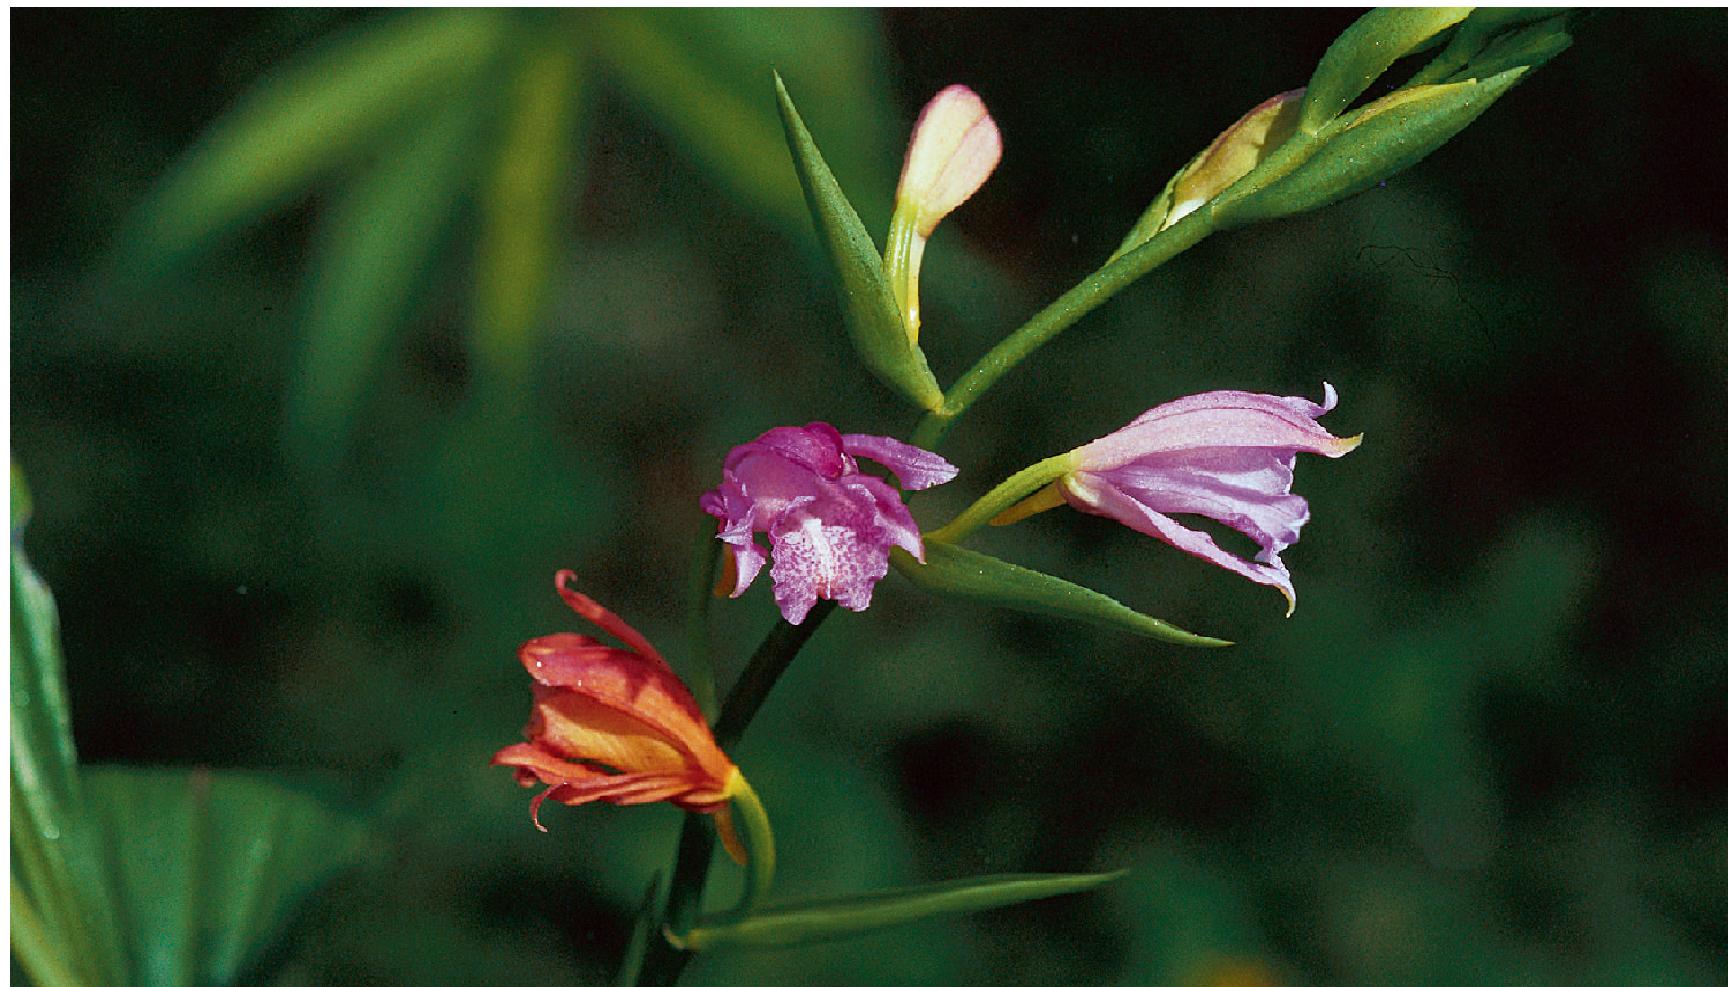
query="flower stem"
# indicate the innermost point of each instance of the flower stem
(665, 962)
(1006, 494)
(759, 841)
(1098, 288)
(770, 660)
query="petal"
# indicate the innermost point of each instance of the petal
(568, 724)
(1247, 489)
(875, 510)
(915, 468)
(748, 558)
(640, 688)
(603, 618)
(816, 447)
(955, 146)
(1094, 497)
(828, 561)
(1219, 420)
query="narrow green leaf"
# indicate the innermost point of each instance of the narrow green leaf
(1364, 51)
(950, 570)
(521, 207)
(699, 73)
(1483, 25)
(378, 242)
(306, 119)
(209, 865)
(57, 865)
(1374, 143)
(1526, 49)
(878, 332)
(839, 918)
(646, 928)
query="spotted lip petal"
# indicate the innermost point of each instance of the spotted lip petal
(1225, 455)
(829, 525)
(613, 724)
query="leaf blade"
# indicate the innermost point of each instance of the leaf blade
(854, 915)
(303, 120)
(872, 316)
(950, 570)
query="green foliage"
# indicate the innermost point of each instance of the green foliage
(872, 316)
(949, 570)
(318, 114)
(64, 931)
(853, 915)
(207, 866)
(1366, 50)
(143, 877)
(1379, 140)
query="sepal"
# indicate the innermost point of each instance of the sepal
(1371, 144)
(1364, 51)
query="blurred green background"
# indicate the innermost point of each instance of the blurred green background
(334, 333)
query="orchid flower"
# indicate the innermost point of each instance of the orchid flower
(1225, 455)
(615, 724)
(829, 525)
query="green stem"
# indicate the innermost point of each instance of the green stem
(1006, 494)
(758, 835)
(1098, 288)
(765, 668)
(664, 962)
(700, 646)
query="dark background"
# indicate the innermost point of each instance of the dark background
(1490, 747)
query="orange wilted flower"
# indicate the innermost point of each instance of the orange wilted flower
(615, 724)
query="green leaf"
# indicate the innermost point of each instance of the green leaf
(64, 930)
(878, 332)
(699, 73)
(522, 204)
(306, 119)
(1485, 24)
(647, 926)
(1526, 49)
(208, 865)
(839, 918)
(1364, 51)
(1374, 143)
(950, 570)
(378, 242)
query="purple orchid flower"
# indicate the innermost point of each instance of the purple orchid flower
(830, 526)
(1225, 455)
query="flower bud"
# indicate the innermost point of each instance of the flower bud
(955, 146)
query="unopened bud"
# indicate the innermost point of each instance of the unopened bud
(955, 146)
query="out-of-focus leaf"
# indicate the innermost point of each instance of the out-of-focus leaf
(63, 926)
(647, 926)
(307, 118)
(854, 915)
(1366, 49)
(208, 865)
(1371, 144)
(521, 207)
(378, 242)
(950, 570)
(703, 74)
(877, 328)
